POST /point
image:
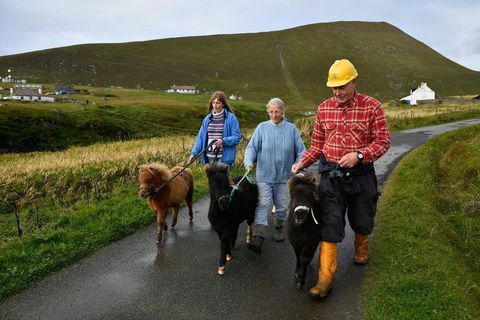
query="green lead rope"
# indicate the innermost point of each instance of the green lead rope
(245, 176)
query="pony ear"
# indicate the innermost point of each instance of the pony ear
(142, 168)
(208, 168)
(310, 176)
(292, 182)
(223, 167)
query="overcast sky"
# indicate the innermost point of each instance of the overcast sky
(451, 27)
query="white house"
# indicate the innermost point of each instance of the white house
(31, 86)
(421, 93)
(183, 89)
(27, 94)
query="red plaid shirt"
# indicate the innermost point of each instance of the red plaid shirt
(358, 125)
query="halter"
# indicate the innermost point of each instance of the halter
(235, 187)
(306, 208)
(249, 179)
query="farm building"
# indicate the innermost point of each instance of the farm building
(422, 93)
(64, 88)
(183, 89)
(28, 86)
(28, 92)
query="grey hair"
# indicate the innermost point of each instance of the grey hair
(277, 102)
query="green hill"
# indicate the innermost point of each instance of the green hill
(110, 115)
(291, 63)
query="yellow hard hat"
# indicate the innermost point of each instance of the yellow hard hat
(341, 72)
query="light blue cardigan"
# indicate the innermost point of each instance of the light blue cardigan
(275, 148)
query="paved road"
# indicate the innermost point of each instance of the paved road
(132, 279)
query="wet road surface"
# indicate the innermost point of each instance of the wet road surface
(133, 279)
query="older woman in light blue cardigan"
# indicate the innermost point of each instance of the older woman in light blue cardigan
(275, 146)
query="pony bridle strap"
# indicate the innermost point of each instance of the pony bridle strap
(223, 197)
(306, 209)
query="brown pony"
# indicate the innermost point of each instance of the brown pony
(154, 175)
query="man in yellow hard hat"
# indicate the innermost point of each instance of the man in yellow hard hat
(349, 134)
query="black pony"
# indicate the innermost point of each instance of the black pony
(229, 209)
(303, 222)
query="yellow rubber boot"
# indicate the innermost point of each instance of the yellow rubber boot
(326, 270)
(361, 248)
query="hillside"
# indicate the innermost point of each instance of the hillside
(291, 63)
(109, 115)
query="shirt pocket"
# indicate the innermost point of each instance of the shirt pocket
(358, 131)
(330, 129)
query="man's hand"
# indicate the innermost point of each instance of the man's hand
(297, 167)
(349, 160)
(248, 167)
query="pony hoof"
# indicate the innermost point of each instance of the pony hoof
(248, 239)
(299, 286)
(221, 270)
(165, 227)
(229, 258)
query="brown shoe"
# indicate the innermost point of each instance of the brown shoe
(278, 234)
(361, 249)
(256, 244)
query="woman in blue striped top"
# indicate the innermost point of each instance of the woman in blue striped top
(222, 125)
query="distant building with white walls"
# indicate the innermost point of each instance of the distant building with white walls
(422, 93)
(31, 86)
(28, 92)
(183, 89)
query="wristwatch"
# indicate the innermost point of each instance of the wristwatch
(360, 156)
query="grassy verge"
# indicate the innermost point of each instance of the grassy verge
(425, 262)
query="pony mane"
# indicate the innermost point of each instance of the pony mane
(157, 169)
(308, 179)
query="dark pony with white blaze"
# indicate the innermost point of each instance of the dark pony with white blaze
(228, 210)
(303, 222)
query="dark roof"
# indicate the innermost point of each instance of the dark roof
(183, 87)
(64, 86)
(476, 98)
(26, 92)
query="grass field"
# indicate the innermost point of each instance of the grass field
(109, 115)
(425, 250)
(74, 201)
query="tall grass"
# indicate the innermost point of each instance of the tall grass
(82, 171)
